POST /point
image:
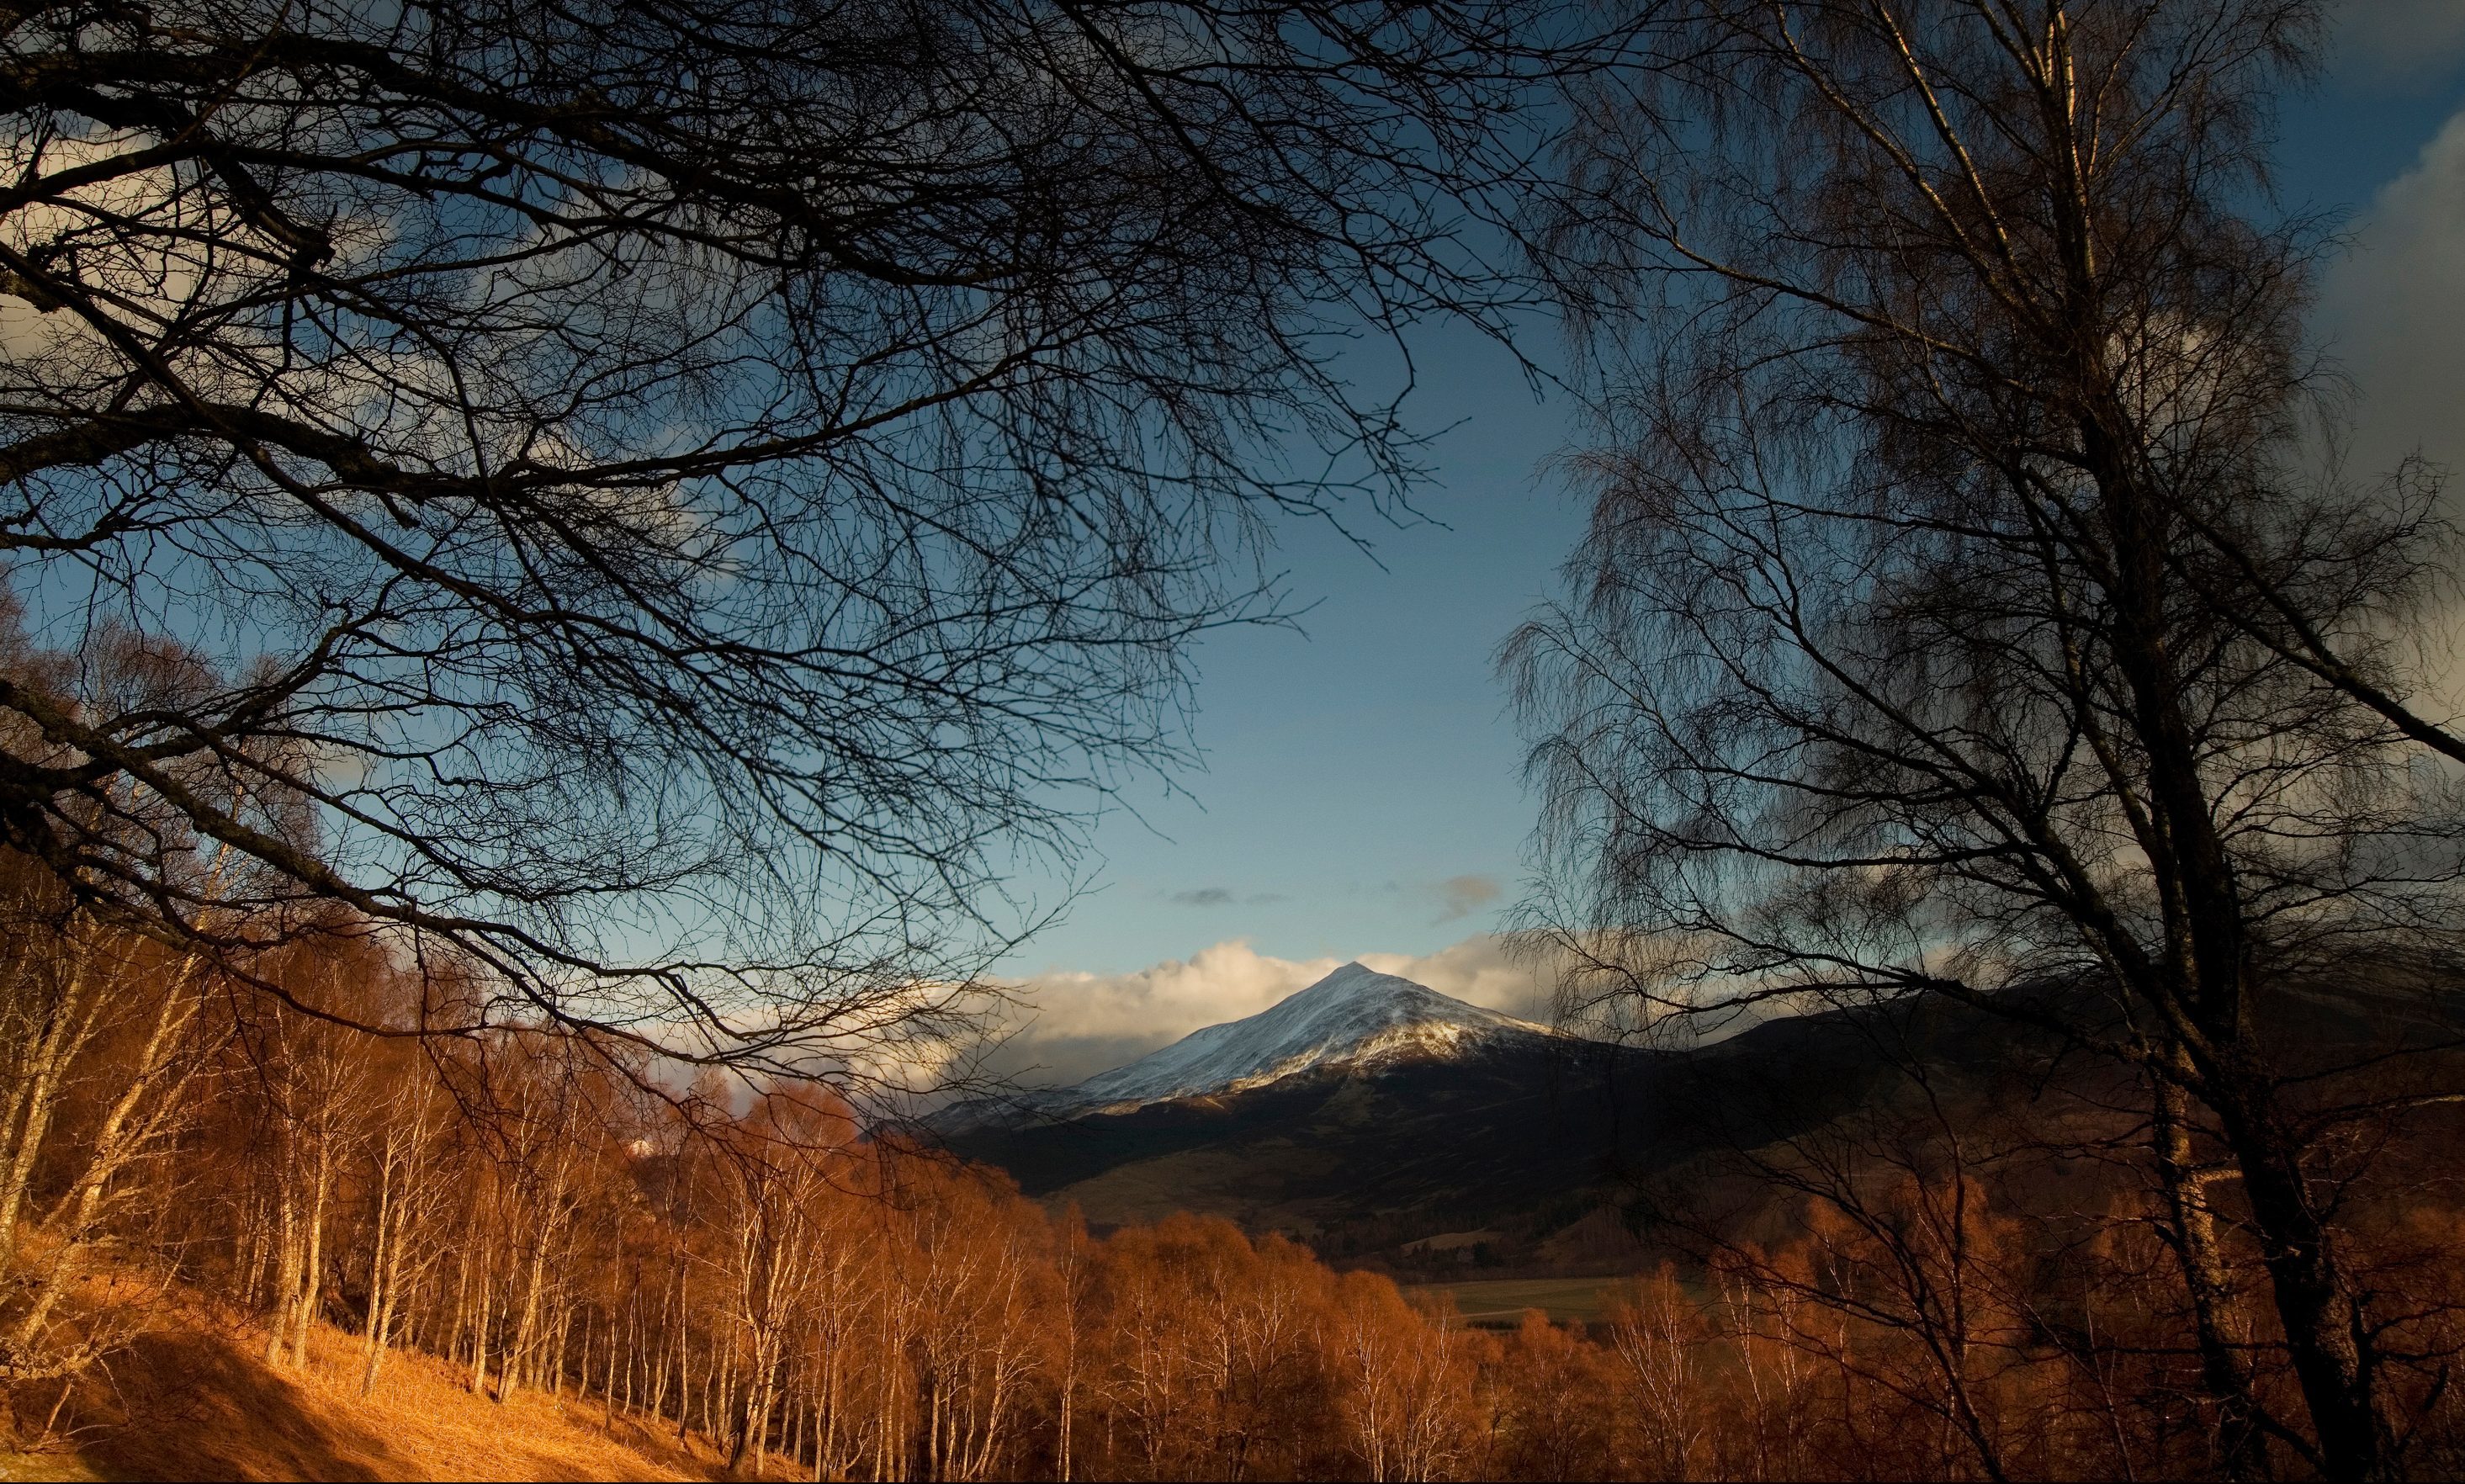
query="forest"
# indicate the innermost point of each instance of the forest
(766, 1289)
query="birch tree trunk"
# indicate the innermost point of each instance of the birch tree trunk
(147, 1103)
(50, 1017)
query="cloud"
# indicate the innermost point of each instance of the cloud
(1224, 897)
(2393, 313)
(1464, 896)
(2401, 38)
(1475, 970)
(1085, 1022)
(1081, 1024)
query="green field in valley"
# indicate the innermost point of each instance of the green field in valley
(1503, 1300)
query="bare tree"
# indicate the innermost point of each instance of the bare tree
(409, 1189)
(66, 998)
(665, 498)
(1961, 510)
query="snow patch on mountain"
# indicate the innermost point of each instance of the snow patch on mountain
(1354, 1017)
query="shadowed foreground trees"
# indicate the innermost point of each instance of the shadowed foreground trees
(658, 502)
(1970, 609)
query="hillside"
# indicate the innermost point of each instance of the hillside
(1509, 1151)
(193, 1399)
(1382, 1122)
(1352, 1158)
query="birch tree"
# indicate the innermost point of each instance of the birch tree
(1961, 506)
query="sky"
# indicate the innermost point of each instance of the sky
(1361, 794)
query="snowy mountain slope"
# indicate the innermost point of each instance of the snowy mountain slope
(1355, 1016)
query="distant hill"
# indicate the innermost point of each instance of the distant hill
(1352, 1156)
(1368, 1115)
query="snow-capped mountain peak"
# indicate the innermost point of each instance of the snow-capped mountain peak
(1353, 1017)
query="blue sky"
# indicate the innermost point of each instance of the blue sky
(1359, 775)
(1362, 792)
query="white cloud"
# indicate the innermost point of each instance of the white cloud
(1081, 1024)
(1463, 895)
(2393, 313)
(1477, 970)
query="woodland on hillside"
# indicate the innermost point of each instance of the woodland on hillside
(762, 1284)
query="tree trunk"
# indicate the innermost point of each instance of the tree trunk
(286, 1268)
(607, 1387)
(2209, 978)
(2241, 1446)
(120, 1136)
(312, 1282)
(2323, 1319)
(479, 1335)
(520, 1355)
(66, 1024)
(380, 1286)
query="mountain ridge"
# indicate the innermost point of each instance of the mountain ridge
(1354, 1017)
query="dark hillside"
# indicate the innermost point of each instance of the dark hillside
(1515, 1144)
(1416, 1147)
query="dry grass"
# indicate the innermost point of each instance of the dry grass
(192, 1399)
(1501, 1302)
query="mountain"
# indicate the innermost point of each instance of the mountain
(1355, 1017)
(1395, 1126)
(1372, 1116)
(1422, 1143)
(1363, 1111)
(1352, 1156)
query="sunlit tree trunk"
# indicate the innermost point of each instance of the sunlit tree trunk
(312, 1271)
(147, 1100)
(2193, 1237)
(481, 1318)
(286, 1233)
(50, 1014)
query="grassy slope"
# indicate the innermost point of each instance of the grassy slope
(1501, 1302)
(195, 1400)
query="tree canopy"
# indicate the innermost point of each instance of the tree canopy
(663, 501)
